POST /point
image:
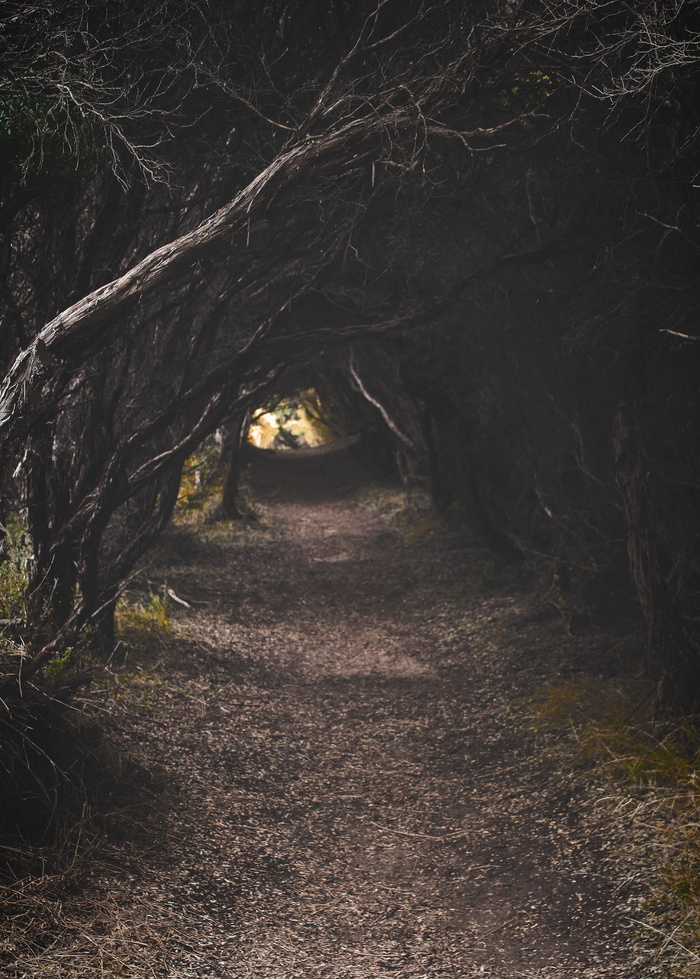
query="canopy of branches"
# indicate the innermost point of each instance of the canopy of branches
(476, 223)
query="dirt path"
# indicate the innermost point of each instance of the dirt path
(351, 791)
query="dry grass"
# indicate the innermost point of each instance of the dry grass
(47, 936)
(65, 911)
(649, 786)
(72, 898)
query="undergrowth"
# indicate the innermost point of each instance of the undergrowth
(199, 502)
(650, 788)
(72, 803)
(145, 616)
(408, 510)
(58, 884)
(13, 572)
(201, 484)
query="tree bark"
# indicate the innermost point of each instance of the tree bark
(232, 452)
(680, 664)
(77, 329)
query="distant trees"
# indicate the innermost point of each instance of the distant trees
(196, 201)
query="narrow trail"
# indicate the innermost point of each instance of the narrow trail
(351, 790)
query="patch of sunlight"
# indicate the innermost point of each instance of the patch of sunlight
(292, 423)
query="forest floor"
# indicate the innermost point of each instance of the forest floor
(332, 771)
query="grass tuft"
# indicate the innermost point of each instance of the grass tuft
(409, 510)
(655, 777)
(149, 617)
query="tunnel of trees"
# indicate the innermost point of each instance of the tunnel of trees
(474, 225)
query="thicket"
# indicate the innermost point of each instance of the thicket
(476, 224)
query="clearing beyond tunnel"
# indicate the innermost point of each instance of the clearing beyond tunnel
(300, 420)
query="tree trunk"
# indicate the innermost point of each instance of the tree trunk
(679, 661)
(232, 451)
(91, 320)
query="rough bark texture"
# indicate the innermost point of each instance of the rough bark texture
(667, 639)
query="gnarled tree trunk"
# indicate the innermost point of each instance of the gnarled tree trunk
(679, 660)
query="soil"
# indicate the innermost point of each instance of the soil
(337, 771)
